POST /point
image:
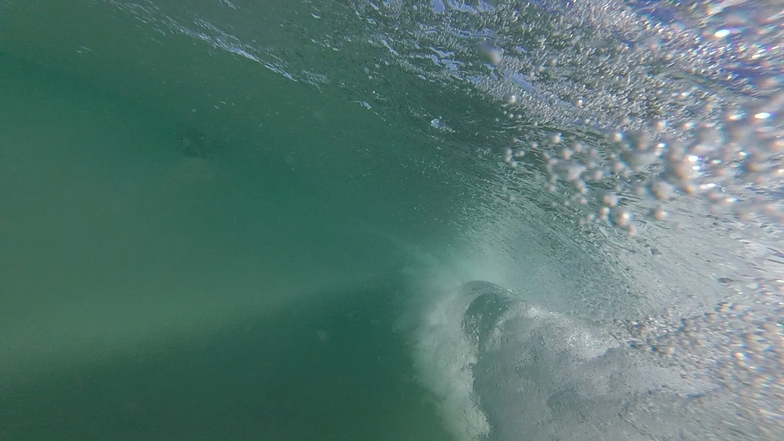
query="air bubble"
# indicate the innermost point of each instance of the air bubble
(621, 217)
(595, 175)
(658, 213)
(610, 199)
(492, 54)
(566, 170)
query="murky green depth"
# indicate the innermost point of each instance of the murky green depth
(152, 294)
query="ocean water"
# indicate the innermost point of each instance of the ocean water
(391, 220)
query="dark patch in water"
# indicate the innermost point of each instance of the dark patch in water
(195, 144)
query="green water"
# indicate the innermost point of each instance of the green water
(269, 378)
(152, 295)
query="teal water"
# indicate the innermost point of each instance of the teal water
(151, 294)
(244, 220)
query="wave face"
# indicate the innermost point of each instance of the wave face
(579, 202)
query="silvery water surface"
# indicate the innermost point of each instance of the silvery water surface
(391, 220)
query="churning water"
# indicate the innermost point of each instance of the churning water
(391, 220)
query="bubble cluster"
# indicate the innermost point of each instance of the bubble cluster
(719, 141)
(734, 351)
(644, 102)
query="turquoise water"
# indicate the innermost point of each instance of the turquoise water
(152, 294)
(267, 220)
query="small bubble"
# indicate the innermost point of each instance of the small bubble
(610, 199)
(721, 33)
(492, 54)
(566, 170)
(621, 217)
(595, 175)
(687, 126)
(662, 190)
(658, 213)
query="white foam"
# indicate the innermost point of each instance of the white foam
(444, 357)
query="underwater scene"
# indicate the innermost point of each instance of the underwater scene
(392, 220)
